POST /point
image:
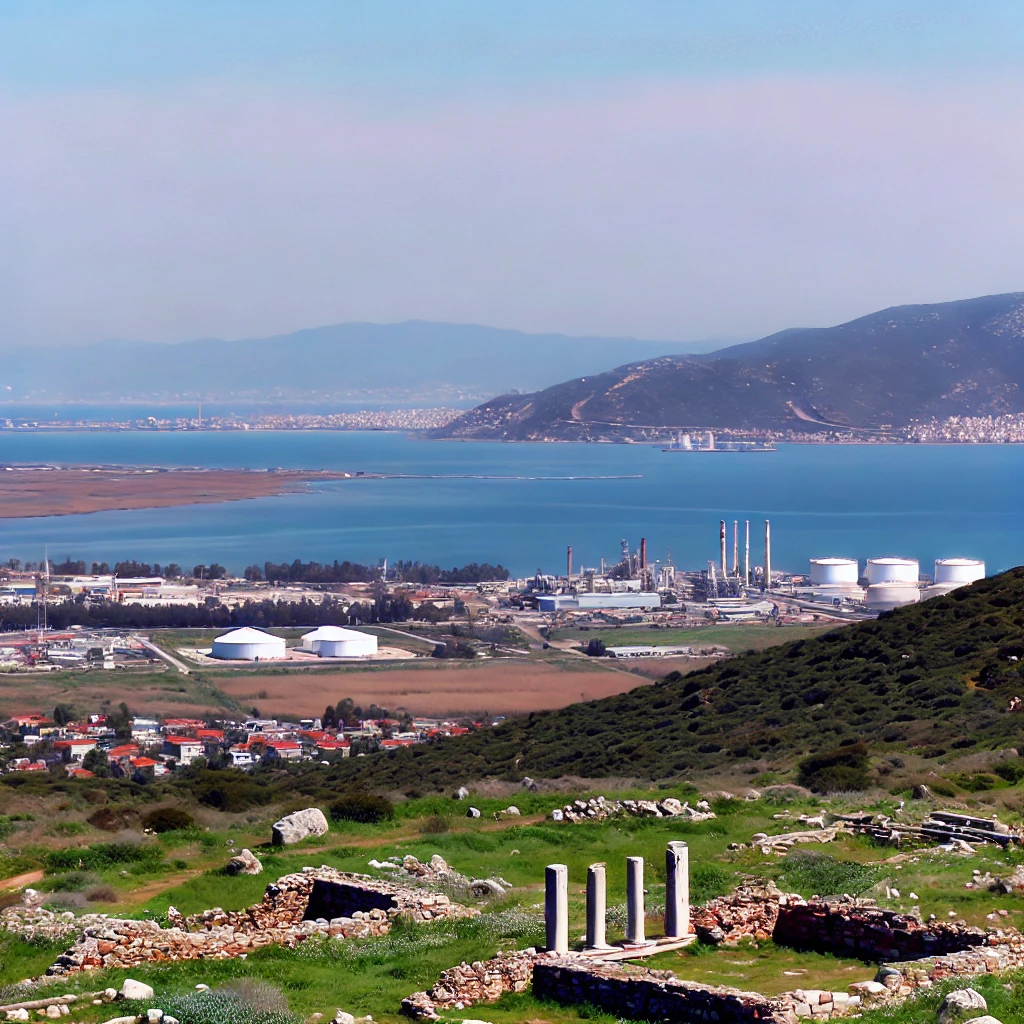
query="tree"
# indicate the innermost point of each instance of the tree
(62, 714)
(97, 762)
(253, 573)
(596, 648)
(328, 718)
(172, 570)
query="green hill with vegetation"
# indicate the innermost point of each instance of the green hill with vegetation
(935, 679)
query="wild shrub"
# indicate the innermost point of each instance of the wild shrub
(368, 808)
(222, 1007)
(168, 819)
(101, 894)
(435, 825)
(98, 856)
(1012, 771)
(112, 818)
(708, 881)
(821, 874)
(842, 769)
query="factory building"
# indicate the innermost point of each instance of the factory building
(597, 602)
(336, 642)
(247, 644)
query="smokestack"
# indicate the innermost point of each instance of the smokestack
(643, 553)
(746, 558)
(767, 554)
(721, 544)
(568, 563)
(736, 548)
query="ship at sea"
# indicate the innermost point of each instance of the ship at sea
(709, 443)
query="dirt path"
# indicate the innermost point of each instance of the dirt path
(19, 881)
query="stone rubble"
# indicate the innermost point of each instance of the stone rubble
(438, 873)
(598, 809)
(318, 902)
(245, 862)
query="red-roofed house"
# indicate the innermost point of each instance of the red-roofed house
(184, 749)
(74, 750)
(342, 747)
(143, 765)
(80, 773)
(125, 750)
(286, 750)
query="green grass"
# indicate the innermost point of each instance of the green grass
(735, 638)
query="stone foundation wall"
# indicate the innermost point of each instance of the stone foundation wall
(479, 982)
(1003, 951)
(366, 908)
(640, 994)
(863, 930)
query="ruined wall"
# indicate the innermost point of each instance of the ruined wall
(861, 929)
(640, 994)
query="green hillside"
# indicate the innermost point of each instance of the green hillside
(935, 679)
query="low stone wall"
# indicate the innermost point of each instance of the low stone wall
(859, 928)
(479, 982)
(365, 907)
(640, 994)
(1003, 951)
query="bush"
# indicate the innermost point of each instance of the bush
(363, 807)
(222, 1007)
(1012, 771)
(435, 825)
(844, 768)
(112, 818)
(101, 855)
(168, 819)
(102, 894)
(708, 881)
(820, 874)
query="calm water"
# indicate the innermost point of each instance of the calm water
(919, 501)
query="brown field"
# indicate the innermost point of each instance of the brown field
(59, 492)
(499, 688)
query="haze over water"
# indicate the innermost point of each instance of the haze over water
(857, 501)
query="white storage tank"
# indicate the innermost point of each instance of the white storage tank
(835, 571)
(893, 570)
(337, 642)
(958, 571)
(248, 644)
(883, 597)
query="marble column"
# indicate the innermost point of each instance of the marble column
(677, 890)
(556, 907)
(597, 904)
(635, 900)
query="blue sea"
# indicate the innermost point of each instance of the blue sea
(856, 501)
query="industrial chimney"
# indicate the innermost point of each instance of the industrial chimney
(568, 563)
(736, 548)
(767, 554)
(746, 558)
(721, 544)
(643, 553)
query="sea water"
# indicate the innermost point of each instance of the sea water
(522, 504)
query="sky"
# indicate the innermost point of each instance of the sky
(661, 170)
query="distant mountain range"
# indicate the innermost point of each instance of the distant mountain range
(433, 362)
(885, 369)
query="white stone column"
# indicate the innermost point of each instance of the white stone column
(597, 905)
(677, 890)
(556, 907)
(635, 900)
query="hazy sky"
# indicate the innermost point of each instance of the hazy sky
(673, 170)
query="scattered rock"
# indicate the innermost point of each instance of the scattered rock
(155, 1015)
(293, 828)
(986, 1019)
(341, 1017)
(131, 989)
(245, 862)
(961, 1005)
(921, 792)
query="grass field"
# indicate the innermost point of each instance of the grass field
(735, 638)
(184, 870)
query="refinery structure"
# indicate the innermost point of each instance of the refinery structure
(732, 588)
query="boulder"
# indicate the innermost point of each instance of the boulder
(131, 989)
(293, 828)
(986, 1019)
(557, 814)
(245, 862)
(481, 887)
(960, 1005)
(921, 792)
(511, 811)
(341, 1017)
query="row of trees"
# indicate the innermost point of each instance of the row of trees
(129, 569)
(353, 572)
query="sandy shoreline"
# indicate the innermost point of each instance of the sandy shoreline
(28, 493)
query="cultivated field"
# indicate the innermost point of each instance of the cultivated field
(736, 638)
(435, 688)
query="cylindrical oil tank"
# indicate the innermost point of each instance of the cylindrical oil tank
(247, 644)
(959, 570)
(826, 571)
(886, 596)
(893, 570)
